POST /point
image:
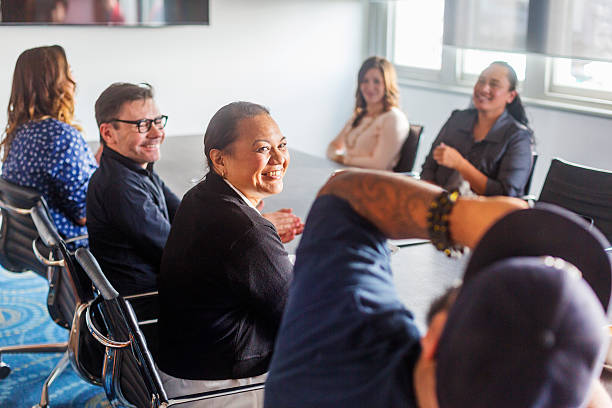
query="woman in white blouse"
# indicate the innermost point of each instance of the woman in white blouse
(374, 135)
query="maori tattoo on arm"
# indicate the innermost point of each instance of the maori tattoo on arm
(394, 203)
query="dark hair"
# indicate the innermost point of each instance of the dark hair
(391, 97)
(40, 90)
(515, 108)
(111, 100)
(442, 303)
(221, 131)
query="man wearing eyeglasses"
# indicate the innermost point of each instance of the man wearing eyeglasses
(129, 208)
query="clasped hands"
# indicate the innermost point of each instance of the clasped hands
(448, 156)
(287, 224)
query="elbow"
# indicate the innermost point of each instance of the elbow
(337, 182)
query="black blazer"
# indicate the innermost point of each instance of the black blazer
(223, 286)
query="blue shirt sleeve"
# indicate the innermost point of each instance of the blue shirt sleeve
(72, 166)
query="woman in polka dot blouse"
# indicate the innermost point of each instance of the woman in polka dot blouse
(41, 147)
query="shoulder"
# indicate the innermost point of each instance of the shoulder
(395, 115)
(218, 208)
(515, 130)
(59, 129)
(463, 114)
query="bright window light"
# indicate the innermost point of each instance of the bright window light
(419, 28)
(582, 74)
(473, 62)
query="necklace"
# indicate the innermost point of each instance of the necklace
(356, 134)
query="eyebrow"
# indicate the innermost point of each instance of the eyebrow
(266, 141)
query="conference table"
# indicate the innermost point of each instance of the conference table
(421, 273)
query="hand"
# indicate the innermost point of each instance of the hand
(287, 224)
(338, 157)
(447, 156)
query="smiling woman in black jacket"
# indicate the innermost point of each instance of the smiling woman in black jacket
(225, 273)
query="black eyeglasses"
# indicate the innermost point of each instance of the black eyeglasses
(144, 125)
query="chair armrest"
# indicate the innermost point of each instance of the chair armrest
(413, 174)
(215, 394)
(105, 341)
(77, 238)
(141, 295)
(42, 259)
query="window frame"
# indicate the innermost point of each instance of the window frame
(537, 89)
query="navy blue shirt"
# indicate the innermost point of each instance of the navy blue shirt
(129, 212)
(52, 157)
(346, 339)
(504, 155)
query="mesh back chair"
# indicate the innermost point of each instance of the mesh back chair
(583, 190)
(17, 230)
(130, 376)
(409, 149)
(70, 291)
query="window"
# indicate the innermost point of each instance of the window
(473, 62)
(416, 29)
(418, 41)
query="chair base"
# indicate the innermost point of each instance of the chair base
(59, 368)
(5, 369)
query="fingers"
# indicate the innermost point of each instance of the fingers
(286, 210)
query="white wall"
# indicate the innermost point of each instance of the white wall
(579, 138)
(298, 57)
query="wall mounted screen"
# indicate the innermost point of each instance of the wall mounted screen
(104, 12)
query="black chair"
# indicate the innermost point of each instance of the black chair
(130, 377)
(409, 149)
(17, 230)
(534, 160)
(70, 291)
(584, 190)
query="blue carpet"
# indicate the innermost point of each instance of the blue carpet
(24, 319)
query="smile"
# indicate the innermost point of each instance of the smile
(275, 174)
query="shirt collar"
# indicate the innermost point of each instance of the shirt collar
(467, 125)
(246, 200)
(127, 162)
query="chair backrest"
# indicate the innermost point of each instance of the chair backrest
(130, 377)
(409, 150)
(583, 190)
(534, 160)
(17, 230)
(70, 291)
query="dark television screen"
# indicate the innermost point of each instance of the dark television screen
(104, 12)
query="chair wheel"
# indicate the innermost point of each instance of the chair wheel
(5, 370)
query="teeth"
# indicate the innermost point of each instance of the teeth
(276, 173)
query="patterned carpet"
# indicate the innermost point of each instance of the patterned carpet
(24, 319)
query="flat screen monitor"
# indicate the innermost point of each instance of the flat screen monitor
(104, 12)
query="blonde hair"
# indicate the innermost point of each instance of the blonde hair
(41, 90)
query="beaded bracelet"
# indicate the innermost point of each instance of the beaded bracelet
(437, 223)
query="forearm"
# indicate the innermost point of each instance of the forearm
(398, 205)
(476, 178)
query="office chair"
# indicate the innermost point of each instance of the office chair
(534, 160)
(17, 230)
(409, 149)
(69, 291)
(130, 377)
(584, 190)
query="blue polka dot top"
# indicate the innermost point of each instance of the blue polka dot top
(52, 157)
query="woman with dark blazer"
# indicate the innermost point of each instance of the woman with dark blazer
(224, 272)
(490, 145)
